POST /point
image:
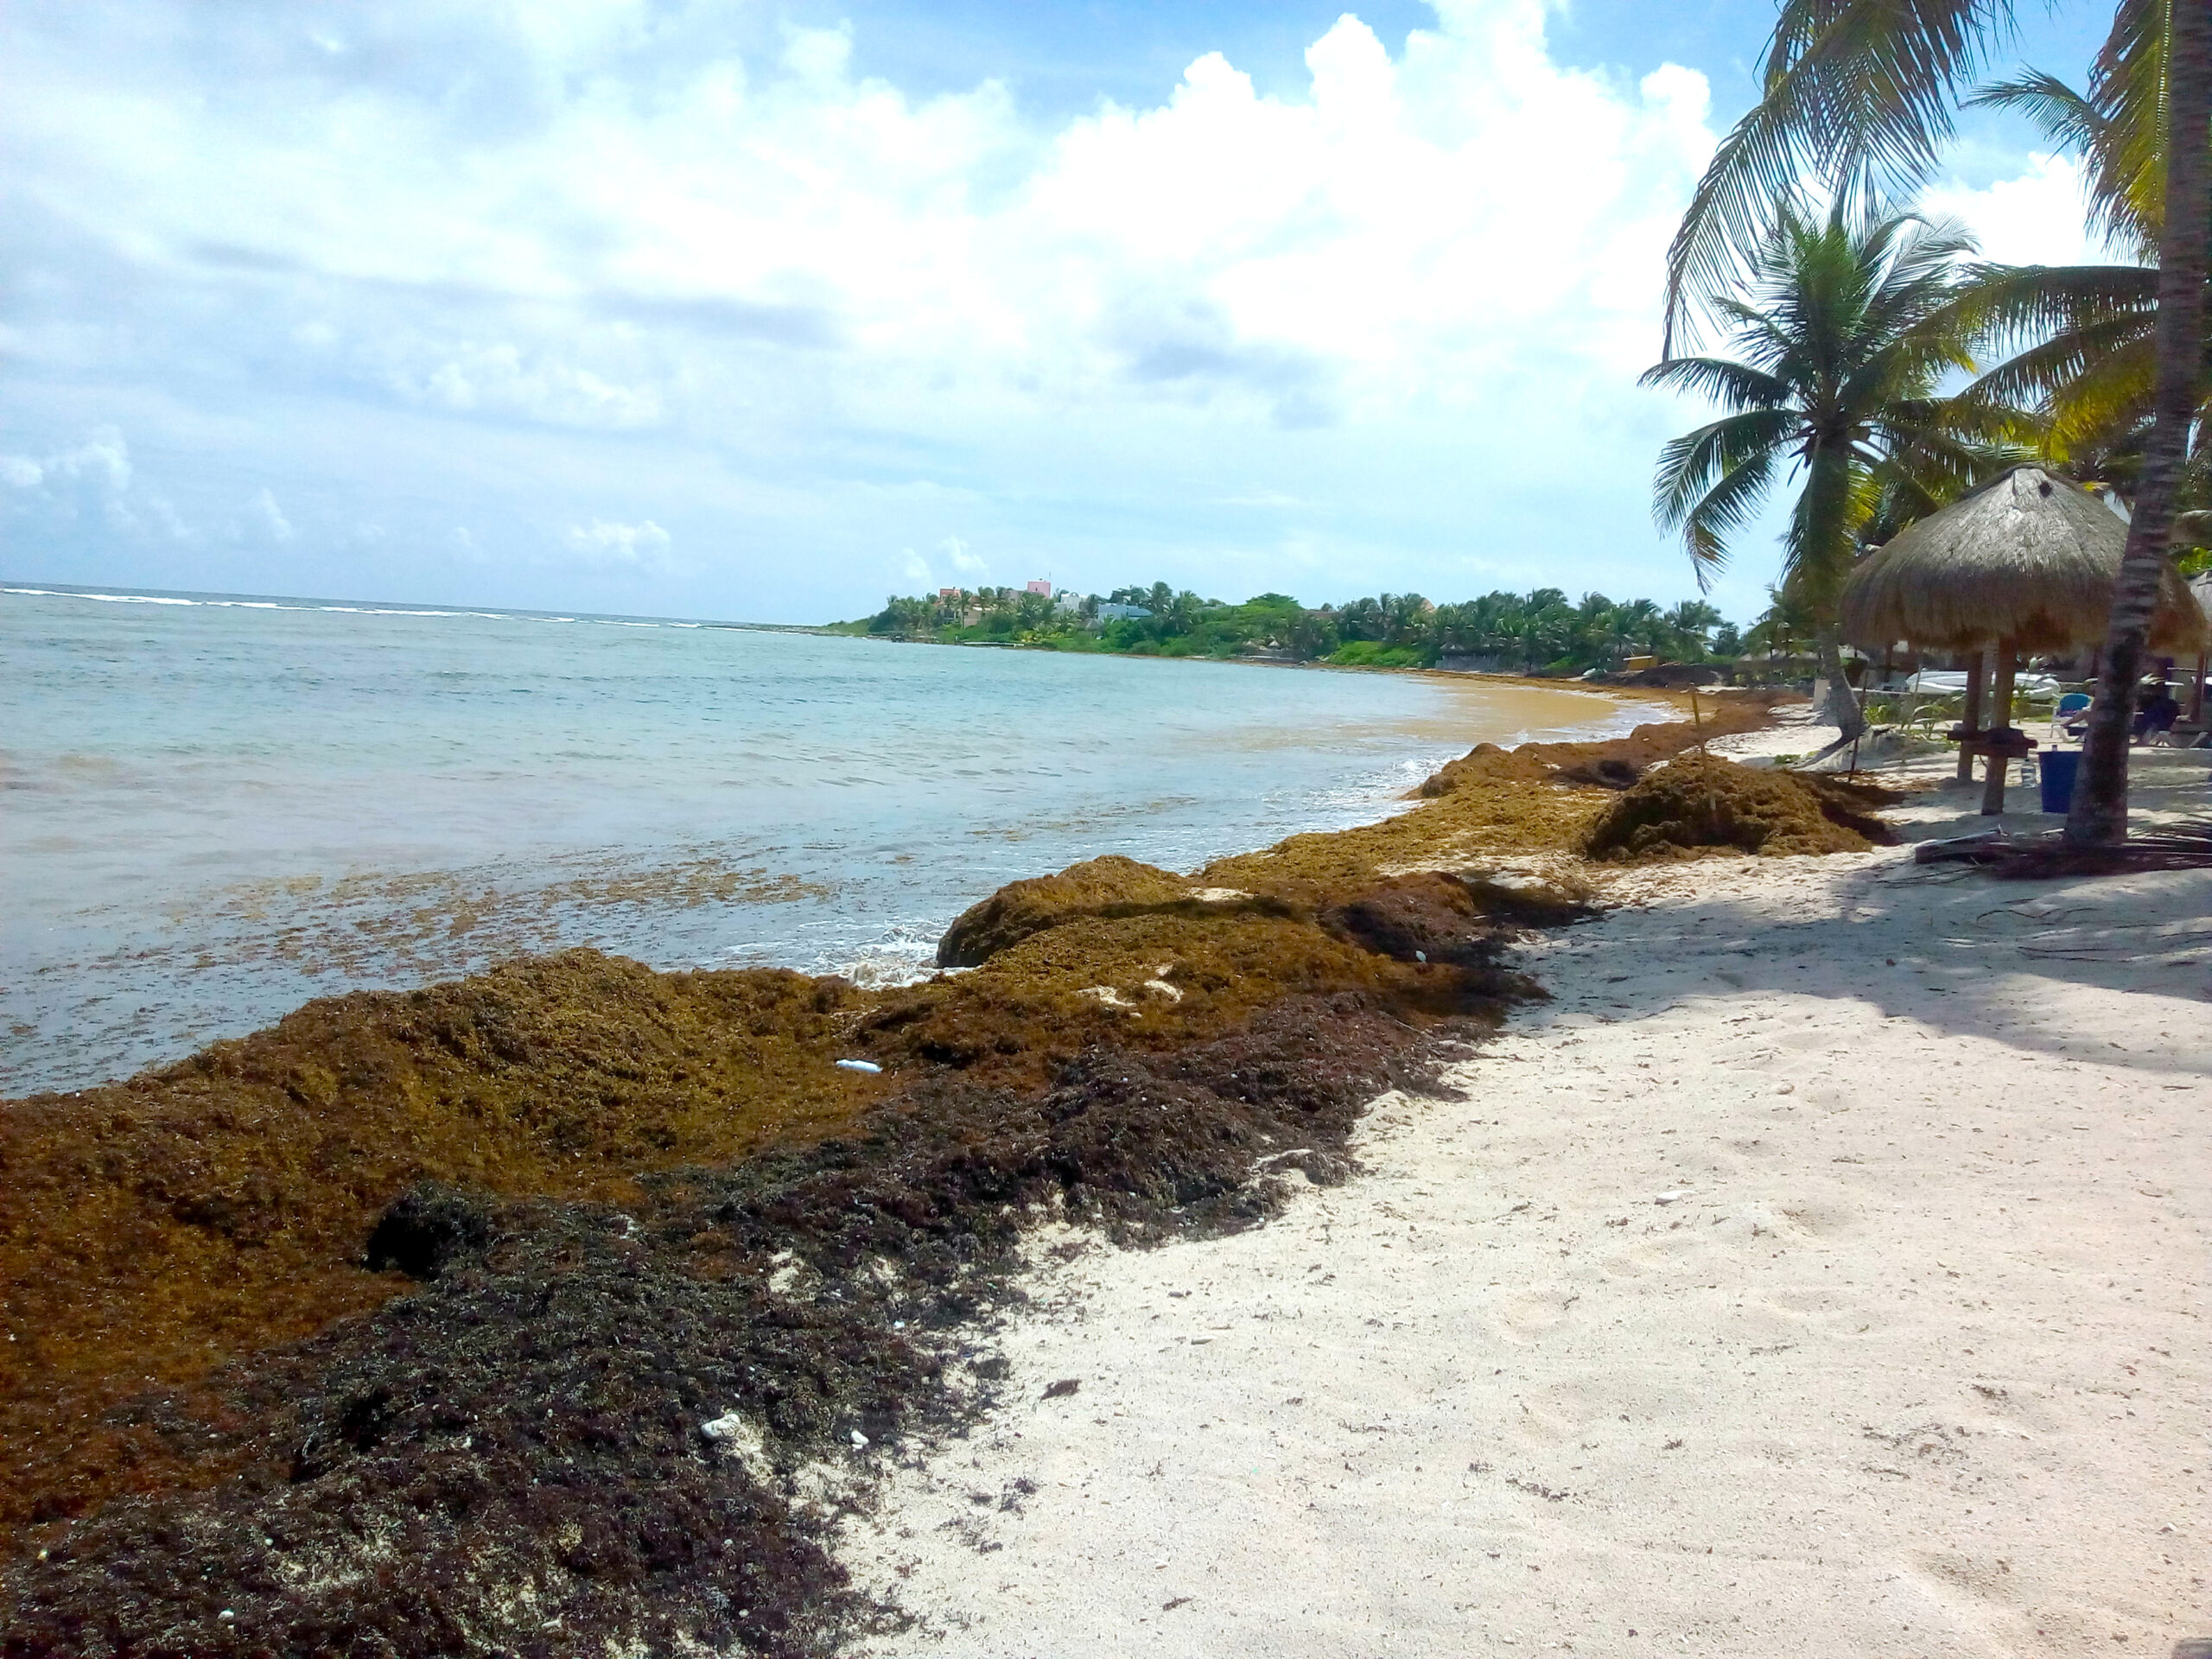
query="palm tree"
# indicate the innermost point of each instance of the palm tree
(1782, 627)
(1634, 628)
(1689, 624)
(1838, 360)
(1857, 100)
(1542, 628)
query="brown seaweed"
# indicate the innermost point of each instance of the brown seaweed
(1696, 803)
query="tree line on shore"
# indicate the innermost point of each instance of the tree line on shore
(1544, 631)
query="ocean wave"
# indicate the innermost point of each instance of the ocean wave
(328, 608)
(370, 610)
(334, 610)
(109, 598)
(903, 953)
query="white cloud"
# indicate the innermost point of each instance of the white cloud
(85, 483)
(265, 519)
(956, 565)
(601, 545)
(171, 521)
(101, 463)
(2036, 218)
(1265, 250)
(535, 385)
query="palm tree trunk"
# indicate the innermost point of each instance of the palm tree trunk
(1843, 702)
(2098, 813)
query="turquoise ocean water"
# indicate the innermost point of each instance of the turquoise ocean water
(215, 807)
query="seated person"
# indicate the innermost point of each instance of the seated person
(2155, 717)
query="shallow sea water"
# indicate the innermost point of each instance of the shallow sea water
(213, 808)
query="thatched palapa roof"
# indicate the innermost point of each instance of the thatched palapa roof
(2026, 557)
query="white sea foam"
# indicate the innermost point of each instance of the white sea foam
(331, 609)
(901, 954)
(106, 599)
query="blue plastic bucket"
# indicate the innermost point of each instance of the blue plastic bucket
(2057, 767)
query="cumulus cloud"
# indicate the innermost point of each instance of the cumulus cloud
(601, 545)
(956, 565)
(2036, 218)
(503, 379)
(266, 520)
(101, 464)
(85, 487)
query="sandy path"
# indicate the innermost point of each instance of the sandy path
(1822, 1272)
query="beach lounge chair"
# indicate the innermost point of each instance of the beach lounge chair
(2069, 707)
(2183, 735)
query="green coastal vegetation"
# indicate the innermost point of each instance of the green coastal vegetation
(1543, 632)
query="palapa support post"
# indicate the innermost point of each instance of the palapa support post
(2001, 719)
(1977, 676)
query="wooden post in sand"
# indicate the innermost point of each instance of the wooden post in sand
(1977, 672)
(2000, 717)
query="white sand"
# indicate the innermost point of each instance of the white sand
(1822, 1272)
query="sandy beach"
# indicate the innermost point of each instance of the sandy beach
(1820, 1270)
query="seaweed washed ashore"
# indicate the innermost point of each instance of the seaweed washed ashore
(563, 1304)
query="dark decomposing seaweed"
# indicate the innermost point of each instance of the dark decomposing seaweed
(535, 1452)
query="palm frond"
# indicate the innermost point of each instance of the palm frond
(1732, 385)
(1857, 91)
(1727, 508)
(2108, 401)
(1693, 466)
(2128, 86)
(2043, 372)
(1999, 304)
(2059, 112)
(1711, 481)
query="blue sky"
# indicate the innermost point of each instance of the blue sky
(766, 311)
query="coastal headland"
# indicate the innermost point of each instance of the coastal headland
(574, 1303)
